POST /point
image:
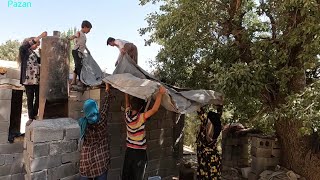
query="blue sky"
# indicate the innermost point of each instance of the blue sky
(117, 18)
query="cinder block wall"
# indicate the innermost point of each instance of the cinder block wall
(164, 135)
(265, 154)
(51, 149)
(11, 165)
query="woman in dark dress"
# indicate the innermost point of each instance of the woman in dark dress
(209, 160)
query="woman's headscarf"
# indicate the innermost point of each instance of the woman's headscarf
(92, 115)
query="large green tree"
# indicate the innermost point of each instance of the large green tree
(9, 50)
(263, 55)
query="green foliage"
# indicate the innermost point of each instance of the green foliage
(191, 130)
(65, 34)
(257, 53)
(305, 108)
(9, 50)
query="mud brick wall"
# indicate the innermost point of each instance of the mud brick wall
(51, 150)
(164, 136)
(265, 154)
(235, 151)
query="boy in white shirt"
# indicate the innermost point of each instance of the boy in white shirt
(78, 49)
(124, 47)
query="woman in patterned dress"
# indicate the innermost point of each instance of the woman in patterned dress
(30, 73)
(209, 160)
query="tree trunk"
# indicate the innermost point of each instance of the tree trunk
(297, 150)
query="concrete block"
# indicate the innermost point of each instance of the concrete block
(4, 138)
(13, 158)
(153, 165)
(276, 153)
(114, 174)
(2, 160)
(253, 176)
(260, 142)
(117, 117)
(155, 134)
(117, 162)
(153, 124)
(5, 170)
(41, 175)
(259, 164)
(63, 147)
(46, 135)
(17, 167)
(19, 176)
(95, 94)
(5, 94)
(5, 110)
(261, 152)
(41, 163)
(13, 73)
(8, 177)
(75, 114)
(70, 157)
(11, 148)
(276, 144)
(226, 156)
(36, 150)
(74, 177)
(154, 154)
(72, 132)
(245, 172)
(75, 105)
(231, 141)
(63, 171)
(74, 96)
(4, 126)
(115, 151)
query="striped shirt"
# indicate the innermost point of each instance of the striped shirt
(136, 134)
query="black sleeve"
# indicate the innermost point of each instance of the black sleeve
(216, 122)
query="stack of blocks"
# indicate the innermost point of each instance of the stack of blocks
(11, 165)
(51, 149)
(265, 153)
(235, 150)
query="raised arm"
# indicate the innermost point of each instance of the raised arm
(26, 46)
(157, 103)
(74, 36)
(126, 97)
(105, 107)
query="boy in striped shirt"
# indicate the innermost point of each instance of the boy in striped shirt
(136, 156)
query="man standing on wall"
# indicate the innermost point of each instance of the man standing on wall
(124, 47)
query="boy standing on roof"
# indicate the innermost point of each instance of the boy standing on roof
(78, 49)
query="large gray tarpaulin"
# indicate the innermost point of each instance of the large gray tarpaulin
(91, 74)
(132, 79)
